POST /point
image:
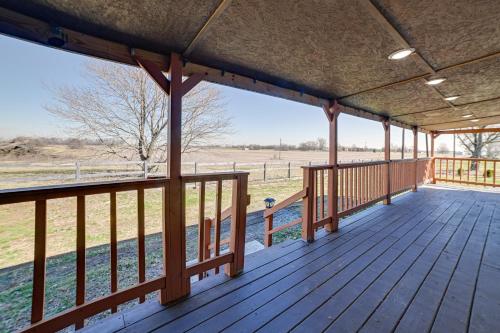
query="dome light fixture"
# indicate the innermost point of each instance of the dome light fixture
(436, 81)
(451, 98)
(401, 54)
(475, 120)
(466, 116)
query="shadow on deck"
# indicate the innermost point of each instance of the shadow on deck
(431, 260)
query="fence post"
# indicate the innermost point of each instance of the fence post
(289, 171)
(308, 205)
(195, 167)
(77, 170)
(265, 171)
(238, 224)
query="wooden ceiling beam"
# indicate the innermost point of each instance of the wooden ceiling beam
(211, 19)
(470, 131)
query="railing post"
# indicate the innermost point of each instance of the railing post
(268, 226)
(289, 170)
(387, 157)
(415, 156)
(238, 225)
(308, 205)
(332, 112)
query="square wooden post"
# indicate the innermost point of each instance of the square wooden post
(308, 205)
(332, 113)
(415, 156)
(387, 157)
(433, 163)
(174, 229)
(238, 225)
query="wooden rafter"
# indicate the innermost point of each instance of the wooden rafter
(211, 19)
(470, 131)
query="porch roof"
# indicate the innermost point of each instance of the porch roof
(308, 51)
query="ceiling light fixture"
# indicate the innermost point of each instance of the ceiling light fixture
(401, 54)
(475, 120)
(451, 98)
(466, 116)
(434, 82)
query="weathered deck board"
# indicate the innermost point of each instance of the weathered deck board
(429, 261)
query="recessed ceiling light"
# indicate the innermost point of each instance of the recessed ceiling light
(475, 120)
(467, 116)
(433, 82)
(451, 98)
(401, 54)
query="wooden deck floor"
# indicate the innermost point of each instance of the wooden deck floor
(428, 262)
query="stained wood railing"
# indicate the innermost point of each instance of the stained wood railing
(233, 259)
(471, 171)
(354, 186)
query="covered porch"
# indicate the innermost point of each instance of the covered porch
(425, 260)
(429, 261)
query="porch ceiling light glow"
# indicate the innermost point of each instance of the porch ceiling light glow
(475, 120)
(401, 54)
(451, 98)
(467, 116)
(436, 81)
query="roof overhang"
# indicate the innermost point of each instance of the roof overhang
(310, 52)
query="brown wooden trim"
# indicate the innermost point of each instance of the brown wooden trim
(285, 203)
(113, 246)
(201, 224)
(322, 222)
(209, 264)
(211, 19)
(80, 254)
(211, 177)
(217, 231)
(153, 70)
(470, 131)
(285, 226)
(359, 207)
(73, 190)
(79, 313)
(38, 293)
(238, 225)
(141, 246)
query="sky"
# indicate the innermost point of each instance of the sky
(27, 70)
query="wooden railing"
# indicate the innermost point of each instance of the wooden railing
(354, 187)
(233, 259)
(360, 185)
(471, 171)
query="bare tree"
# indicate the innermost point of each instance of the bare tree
(128, 114)
(475, 143)
(321, 144)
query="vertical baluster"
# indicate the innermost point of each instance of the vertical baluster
(468, 170)
(347, 187)
(341, 175)
(218, 209)
(113, 256)
(201, 225)
(367, 184)
(494, 172)
(477, 168)
(485, 171)
(315, 195)
(80, 254)
(322, 193)
(447, 168)
(141, 248)
(355, 189)
(38, 294)
(453, 171)
(207, 223)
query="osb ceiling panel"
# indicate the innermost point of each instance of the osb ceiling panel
(448, 115)
(465, 124)
(412, 96)
(475, 82)
(326, 48)
(162, 25)
(447, 32)
(333, 48)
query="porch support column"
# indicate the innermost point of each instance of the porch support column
(415, 156)
(177, 282)
(332, 112)
(433, 163)
(387, 157)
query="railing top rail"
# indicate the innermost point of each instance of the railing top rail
(287, 202)
(212, 176)
(18, 195)
(318, 167)
(359, 164)
(467, 159)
